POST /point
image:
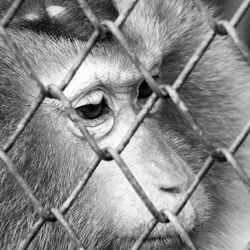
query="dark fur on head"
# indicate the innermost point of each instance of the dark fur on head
(34, 15)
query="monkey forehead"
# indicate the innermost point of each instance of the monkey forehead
(103, 73)
(107, 64)
(94, 73)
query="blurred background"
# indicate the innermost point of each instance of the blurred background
(227, 8)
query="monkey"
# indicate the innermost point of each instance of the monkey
(108, 92)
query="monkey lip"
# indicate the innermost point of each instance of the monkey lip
(163, 236)
(169, 242)
(160, 232)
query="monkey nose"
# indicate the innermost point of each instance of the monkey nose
(170, 189)
(168, 182)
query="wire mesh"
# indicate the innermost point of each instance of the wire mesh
(221, 27)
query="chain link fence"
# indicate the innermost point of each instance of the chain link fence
(220, 28)
(226, 9)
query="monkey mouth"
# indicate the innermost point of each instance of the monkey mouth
(173, 242)
(163, 237)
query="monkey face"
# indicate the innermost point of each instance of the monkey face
(108, 97)
(108, 92)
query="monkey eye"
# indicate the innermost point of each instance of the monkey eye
(92, 106)
(144, 90)
(91, 111)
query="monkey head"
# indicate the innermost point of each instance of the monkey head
(108, 93)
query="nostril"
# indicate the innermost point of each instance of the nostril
(173, 190)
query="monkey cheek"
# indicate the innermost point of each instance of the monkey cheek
(129, 216)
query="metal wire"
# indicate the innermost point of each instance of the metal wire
(216, 154)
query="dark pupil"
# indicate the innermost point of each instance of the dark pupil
(91, 111)
(144, 90)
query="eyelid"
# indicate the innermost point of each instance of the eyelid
(93, 98)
